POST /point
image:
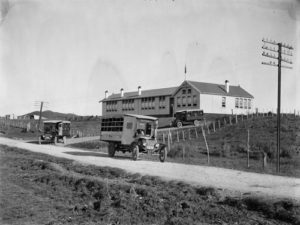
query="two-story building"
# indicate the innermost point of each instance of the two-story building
(163, 102)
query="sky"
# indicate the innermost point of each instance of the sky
(68, 52)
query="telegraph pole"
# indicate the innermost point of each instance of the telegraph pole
(41, 108)
(41, 104)
(280, 49)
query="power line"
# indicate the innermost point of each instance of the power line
(280, 49)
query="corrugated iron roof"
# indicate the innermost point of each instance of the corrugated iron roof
(219, 89)
(144, 94)
(204, 88)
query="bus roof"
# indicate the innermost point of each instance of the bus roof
(190, 110)
(142, 117)
(130, 115)
(57, 121)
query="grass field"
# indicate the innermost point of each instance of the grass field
(41, 189)
(228, 147)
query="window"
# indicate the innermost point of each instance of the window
(241, 103)
(183, 101)
(223, 101)
(236, 102)
(189, 91)
(245, 103)
(162, 102)
(178, 101)
(111, 106)
(189, 100)
(183, 91)
(128, 105)
(148, 103)
(194, 100)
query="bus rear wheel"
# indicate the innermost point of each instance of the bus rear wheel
(135, 152)
(111, 150)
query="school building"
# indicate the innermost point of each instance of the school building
(164, 102)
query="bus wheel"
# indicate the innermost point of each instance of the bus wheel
(179, 124)
(196, 123)
(163, 154)
(135, 152)
(111, 150)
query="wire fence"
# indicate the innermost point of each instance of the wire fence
(237, 143)
(32, 125)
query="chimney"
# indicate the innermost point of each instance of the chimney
(139, 90)
(122, 92)
(227, 86)
(106, 94)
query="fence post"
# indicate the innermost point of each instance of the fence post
(183, 136)
(248, 149)
(224, 121)
(208, 131)
(207, 149)
(230, 120)
(169, 143)
(219, 122)
(189, 134)
(236, 119)
(170, 134)
(164, 138)
(177, 136)
(196, 133)
(183, 151)
(214, 125)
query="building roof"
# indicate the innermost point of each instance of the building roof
(57, 121)
(144, 94)
(203, 88)
(219, 89)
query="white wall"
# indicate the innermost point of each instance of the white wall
(213, 104)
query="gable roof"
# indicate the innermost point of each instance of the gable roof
(145, 93)
(219, 89)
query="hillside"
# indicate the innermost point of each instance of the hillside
(61, 116)
(228, 146)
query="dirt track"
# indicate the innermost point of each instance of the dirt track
(232, 180)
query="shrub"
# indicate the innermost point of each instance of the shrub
(286, 152)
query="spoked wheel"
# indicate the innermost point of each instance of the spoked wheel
(196, 123)
(111, 150)
(179, 124)
(55, 140)
(135, 152)
(163, 154)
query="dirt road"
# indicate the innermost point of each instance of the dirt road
(232, 180)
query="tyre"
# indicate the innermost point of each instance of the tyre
(163, 154)
(111, 150)
(55, 140)
(135, 152)
(196, 123)
(179, 124)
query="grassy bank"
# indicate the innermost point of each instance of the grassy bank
(40, 189)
